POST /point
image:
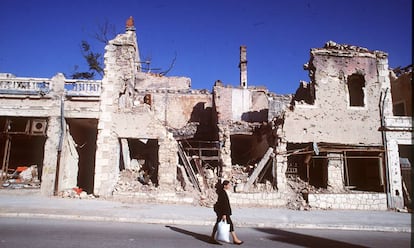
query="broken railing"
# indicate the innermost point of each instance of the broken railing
(42, 87)
(24, 86)
(82, 88)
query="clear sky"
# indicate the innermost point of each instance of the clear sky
(40, 38)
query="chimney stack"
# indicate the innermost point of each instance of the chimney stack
(243, 67)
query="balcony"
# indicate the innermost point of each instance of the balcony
(25, 86)
(42, 87)
(82, 88)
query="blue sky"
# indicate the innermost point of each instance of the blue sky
(40, 38)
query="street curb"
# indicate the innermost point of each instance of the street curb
(206, 223)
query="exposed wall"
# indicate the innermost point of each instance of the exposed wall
(331, 118)
(150, 81)
(179, 108)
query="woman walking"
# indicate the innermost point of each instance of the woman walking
(223, 211)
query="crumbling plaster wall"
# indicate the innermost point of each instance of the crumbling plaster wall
(149, 81)
(125, 115)
(82, 109)
(239, 104)
(331, 119)
(176, 109)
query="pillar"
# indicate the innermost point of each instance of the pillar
(335, 172)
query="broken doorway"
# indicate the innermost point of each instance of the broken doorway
(304, 165)
(84, 132)
(140, 156)
(406, 162)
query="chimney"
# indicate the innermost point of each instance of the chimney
(243, 67)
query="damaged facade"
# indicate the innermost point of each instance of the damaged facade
(335, 143)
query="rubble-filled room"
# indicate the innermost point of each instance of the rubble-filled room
(22, 141)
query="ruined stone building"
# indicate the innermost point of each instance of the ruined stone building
(335, 143)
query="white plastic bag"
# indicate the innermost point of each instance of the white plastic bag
(223, 231)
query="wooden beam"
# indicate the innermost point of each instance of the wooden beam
(258, 169)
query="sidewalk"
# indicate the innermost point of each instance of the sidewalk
(32, 205)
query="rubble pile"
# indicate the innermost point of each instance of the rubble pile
(22, 177)
(300, 188)
(77, 193)
(129, 181)
(187, 131)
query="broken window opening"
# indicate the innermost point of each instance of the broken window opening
(356, 85)
(139, 162)
(84, 133)
(22, 142)
(304, 94)
(296, 161)
(364, 171)
(318, 171)
(303, 165)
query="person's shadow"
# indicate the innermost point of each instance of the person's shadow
(201, 237)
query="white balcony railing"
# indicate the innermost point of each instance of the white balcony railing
(24, 86)
(83, 88)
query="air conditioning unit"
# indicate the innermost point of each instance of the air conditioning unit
(38, 127)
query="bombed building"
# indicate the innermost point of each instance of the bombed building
(335, 143)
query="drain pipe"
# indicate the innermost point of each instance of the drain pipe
(384, 141)
(59, 150)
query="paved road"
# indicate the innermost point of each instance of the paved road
(32, 204)
(45, 233)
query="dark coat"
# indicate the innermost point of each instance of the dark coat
(222, 206)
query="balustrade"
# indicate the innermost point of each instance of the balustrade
(41, 86)
(24, 86)
(82, 88)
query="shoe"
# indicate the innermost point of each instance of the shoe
(213, 241)
(241, 242)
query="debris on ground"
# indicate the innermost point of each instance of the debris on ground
(23, 177)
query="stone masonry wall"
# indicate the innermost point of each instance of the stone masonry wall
(362, 201)
(335, 172)
(120, 60)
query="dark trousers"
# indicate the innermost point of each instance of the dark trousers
(228, 219)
